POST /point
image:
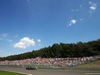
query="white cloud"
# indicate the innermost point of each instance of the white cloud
(72, 22)
(3, 35)
(9, 40)
(39, 40)
(90, 2)
(92, 7)
(24, 43)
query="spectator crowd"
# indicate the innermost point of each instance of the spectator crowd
(58, 62)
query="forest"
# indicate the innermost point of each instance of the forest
(62, 50)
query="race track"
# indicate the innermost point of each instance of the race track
(49, 72)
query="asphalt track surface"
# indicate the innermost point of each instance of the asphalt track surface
(49, 72)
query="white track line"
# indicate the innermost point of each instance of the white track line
(93, 73)
(18, 72)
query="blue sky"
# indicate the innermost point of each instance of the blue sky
(27, 25)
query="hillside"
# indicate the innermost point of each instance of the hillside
(91, 64)
(61, 50)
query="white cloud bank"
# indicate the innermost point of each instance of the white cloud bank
(72, 22)
(24, 43)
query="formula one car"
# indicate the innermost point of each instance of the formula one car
(30, 68)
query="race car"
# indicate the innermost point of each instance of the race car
(31, 68)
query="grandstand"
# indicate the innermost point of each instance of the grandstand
(50, 62)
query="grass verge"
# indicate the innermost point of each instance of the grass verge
(9, 73)
(91, 64)
(71, 69)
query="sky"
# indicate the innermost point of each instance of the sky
(27, 25)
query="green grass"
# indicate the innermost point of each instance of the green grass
(71, 69)
(92, 64)
(82, 70)
(9, 73)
